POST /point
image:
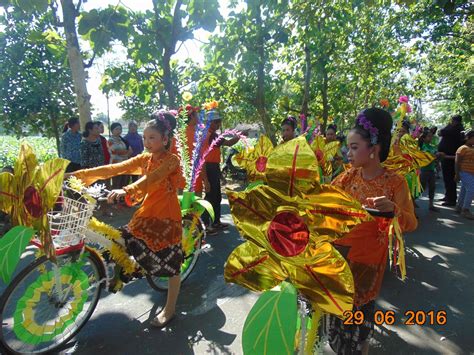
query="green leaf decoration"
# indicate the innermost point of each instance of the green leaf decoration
(270, 327)
(12, 246)
(254, 184)
(202, 205)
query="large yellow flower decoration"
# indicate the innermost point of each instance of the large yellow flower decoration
(254, 159)
(29, 193)
(289, 225)
(405, 156)
(325, 154)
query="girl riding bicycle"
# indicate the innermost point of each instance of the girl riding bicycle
(367, 244)
(153, 235)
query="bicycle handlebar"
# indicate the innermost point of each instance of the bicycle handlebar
(377, 213)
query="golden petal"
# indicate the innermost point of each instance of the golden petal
(292, 166)
(252, 267)
(327, 282)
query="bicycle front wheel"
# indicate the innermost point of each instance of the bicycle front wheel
(193, 232)
(47, 303)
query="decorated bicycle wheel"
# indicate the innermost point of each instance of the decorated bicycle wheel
(46, 305)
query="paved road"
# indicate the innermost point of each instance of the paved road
(211, 314)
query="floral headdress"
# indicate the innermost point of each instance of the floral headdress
(161, 117)
(363, 122)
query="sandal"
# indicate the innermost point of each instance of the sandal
(221, 225)
(211, 231)
(157, 324)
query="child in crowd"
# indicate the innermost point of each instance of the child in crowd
(288, 127)
(428, 173)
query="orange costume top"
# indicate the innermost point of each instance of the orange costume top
(368, 241)
(466, 156)
(158, 220)
(214, 155)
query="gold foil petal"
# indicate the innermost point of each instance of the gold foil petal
(327, 283)
(292, 166)
(252, 267)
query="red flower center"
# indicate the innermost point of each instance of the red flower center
(261, 164)
(288, 234)
(32, 201)
(319, 155)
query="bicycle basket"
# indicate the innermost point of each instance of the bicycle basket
(67, 225)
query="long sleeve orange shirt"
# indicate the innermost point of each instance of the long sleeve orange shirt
(368, 241)
(158, 220)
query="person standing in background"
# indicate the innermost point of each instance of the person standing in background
(211, 175)
(136, 143)
(120, 151)
(92, 154)
(104, 142)
(464, 165)
(71, 144)
(451, 140)
(428, 172)
(288, 126)
(134, 139)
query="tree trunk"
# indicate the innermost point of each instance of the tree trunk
(54, 123)
(167, 81)
(260, 94)
(324, 95)
(169, 45)
(307, 81)
(76, 62)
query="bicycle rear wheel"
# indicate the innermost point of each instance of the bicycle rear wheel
(36, 315)
(193, 232)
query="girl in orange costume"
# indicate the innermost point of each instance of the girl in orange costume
(367, 244)
(153, 235)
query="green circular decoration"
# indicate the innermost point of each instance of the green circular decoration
(25, 326)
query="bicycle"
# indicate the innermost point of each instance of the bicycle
(48, 302)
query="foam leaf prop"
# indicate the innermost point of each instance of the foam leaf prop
(12, 246)
(270, 327)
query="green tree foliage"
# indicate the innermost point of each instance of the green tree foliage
(36, 92)
(151, 77)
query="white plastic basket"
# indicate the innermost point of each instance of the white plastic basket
(67, 225)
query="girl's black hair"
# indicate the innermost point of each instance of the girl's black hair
(406, 125)
(290, 121)
(157, 122)
(468, 134)
(331, 126)
(70, 122)
(381, 120)
(99, 123)
(89, 127)
(423, 135)
(115, 125)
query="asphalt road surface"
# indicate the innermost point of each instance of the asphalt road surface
(211, 313)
